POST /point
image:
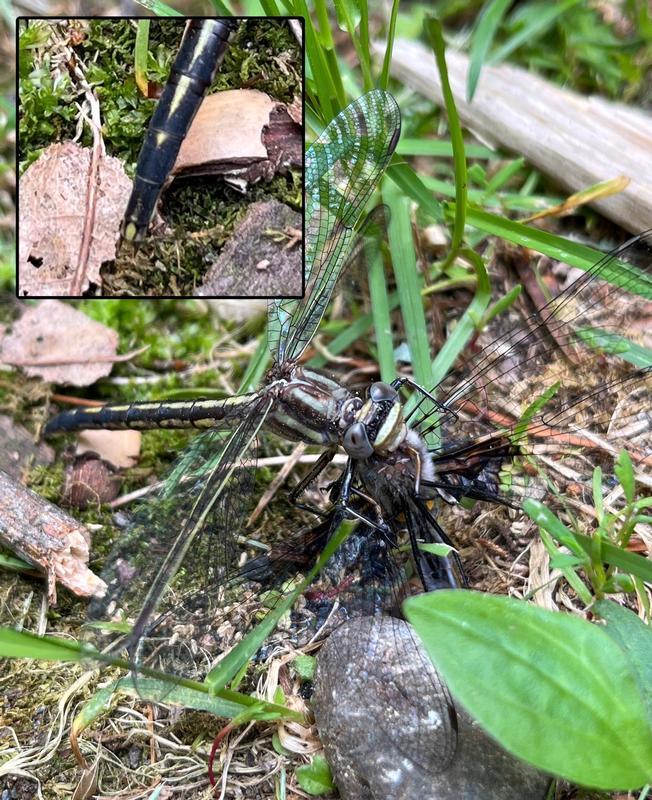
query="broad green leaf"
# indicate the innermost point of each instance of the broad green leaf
(634, 638)
(553, 689)
(315, 778)
(304, 666)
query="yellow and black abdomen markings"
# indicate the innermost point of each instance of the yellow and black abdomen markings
(149, 415)
(202, 49)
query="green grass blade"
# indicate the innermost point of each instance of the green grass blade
(486, 26)
(380, 310)
(577, 255)
(440, 148)
(223, 9)
(391, 35)
(159, 8)
(468, 323)
(351, 334)
(269, 8)
(256, 368)
(319, 68)
(435, 35)
(140, 55)
(408, 281)
(354, 17)
(411, 185)
(539, 23)
(229, 666)
(629, 562)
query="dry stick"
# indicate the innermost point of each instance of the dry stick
(45, 536)
(579, 141)
(65, 362)
(93, 184)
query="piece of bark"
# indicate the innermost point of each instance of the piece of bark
(71, 204)
(45, 536)
(578, 141)
(260, 259)
(242, 135)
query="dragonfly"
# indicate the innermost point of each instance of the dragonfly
(202, 49)
(476, 436)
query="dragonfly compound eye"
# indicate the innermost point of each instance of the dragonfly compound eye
(356, 442)
(381, 392)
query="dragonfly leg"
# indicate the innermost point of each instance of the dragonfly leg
(400, 382)
(320, 465)
(434, 571)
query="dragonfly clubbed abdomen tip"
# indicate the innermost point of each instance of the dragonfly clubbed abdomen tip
(131, 233)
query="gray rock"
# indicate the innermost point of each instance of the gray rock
(381, 707)
(18, 452)
(263, 258)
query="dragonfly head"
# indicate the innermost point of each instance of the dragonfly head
(378, 426)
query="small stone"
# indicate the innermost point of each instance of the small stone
(380, 709)
(89, 482)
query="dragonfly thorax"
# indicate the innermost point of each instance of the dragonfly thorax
(310, 407)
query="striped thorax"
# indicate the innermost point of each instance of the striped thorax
(311, 407)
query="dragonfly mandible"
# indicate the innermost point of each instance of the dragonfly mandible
(201, 51)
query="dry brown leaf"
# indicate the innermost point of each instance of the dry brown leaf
(87, 786)
(119, 448)
(60, 344)
(71, 206)
(210, 148)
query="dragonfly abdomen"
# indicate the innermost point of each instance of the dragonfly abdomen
(149, 415)
(202, 49)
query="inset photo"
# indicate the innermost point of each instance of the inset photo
(160, 157)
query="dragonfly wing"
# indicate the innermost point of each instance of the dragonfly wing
(364, 580)
(184, 537)
(369, 577)
(576, 375)
(343, 167)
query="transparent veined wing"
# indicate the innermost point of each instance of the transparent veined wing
(568, 387)
(343, 167)
(181, 543)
